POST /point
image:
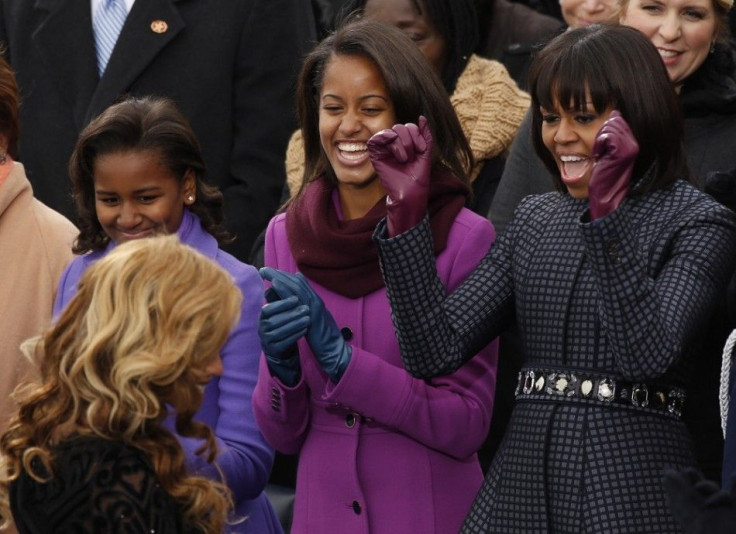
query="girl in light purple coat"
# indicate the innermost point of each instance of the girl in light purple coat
(379, 451)
(137, 170)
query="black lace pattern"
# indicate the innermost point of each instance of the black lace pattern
(98, 486)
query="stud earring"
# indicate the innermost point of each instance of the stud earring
(190, 198)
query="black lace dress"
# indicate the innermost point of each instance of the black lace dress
(99, 486)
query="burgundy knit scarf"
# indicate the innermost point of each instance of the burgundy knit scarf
(340, 255)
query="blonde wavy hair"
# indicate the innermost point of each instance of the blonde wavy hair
(146, 321)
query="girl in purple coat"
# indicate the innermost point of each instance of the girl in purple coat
(379, 451)
(137, 170)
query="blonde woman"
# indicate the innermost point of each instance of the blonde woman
(88, 451)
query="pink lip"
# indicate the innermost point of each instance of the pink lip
(135, 235)
(672, 60)
(567, 179)
(350, 159)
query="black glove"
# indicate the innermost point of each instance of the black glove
(699, 505)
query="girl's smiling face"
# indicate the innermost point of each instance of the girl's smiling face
(354, 105)
(137, 196)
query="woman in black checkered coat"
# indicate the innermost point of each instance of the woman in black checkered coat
(609, 280)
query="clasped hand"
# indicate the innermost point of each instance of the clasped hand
(402, 158)
(615, 151)
(295, 310)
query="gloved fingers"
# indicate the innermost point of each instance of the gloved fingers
(281, 340)
(707, 487)
(426, 133)
(615, 135)
(690, 475)
(284, 284)
(602, 144)
(271, 295)
(720, 498)
(379, 145)
(418, 143)
(279, 306)
(679, 484)
(278, 332)
(403, 147)
(272, 331)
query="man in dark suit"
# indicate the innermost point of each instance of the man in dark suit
(230, 66)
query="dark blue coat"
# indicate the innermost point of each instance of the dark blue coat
(626, 296)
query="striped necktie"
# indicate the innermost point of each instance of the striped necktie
(108, 22)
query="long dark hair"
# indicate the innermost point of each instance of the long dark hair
(455, 20)
(413, 87)
(615, 67)
(9, 106)
(140, 124)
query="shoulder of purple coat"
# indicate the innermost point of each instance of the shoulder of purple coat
(70, 278)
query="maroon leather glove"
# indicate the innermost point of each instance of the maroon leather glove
(402, 157)
(615, 152)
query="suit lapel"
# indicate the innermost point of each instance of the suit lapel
(66, 45)
(137, 46)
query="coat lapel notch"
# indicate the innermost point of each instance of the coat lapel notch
(141, 40)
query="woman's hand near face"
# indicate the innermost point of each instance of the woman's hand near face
(402, 158)
(615, 152)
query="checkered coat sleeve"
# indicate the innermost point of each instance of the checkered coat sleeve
(624, 296)
(656, 264)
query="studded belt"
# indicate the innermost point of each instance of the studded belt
(567, 384)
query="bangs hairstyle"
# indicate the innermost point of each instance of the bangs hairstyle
(616, 67)
(147, 319)
(455, 20)
(148, 124)
(413, 87)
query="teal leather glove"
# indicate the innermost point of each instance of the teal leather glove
(323, 335)
(282, 323)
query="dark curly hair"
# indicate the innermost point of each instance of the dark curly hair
(140, 124)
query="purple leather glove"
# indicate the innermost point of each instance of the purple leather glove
(323, 335)
(615, 152)
(402, 157)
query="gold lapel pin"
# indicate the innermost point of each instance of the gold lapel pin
(159, 26)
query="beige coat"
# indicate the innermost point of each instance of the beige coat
(35, 246)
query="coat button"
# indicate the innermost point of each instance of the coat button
(356, 507)
(350, 420)
(347, 333)
(613, 252)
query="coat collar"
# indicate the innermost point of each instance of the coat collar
(66, 44)
(14, 187)
(137, 46)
